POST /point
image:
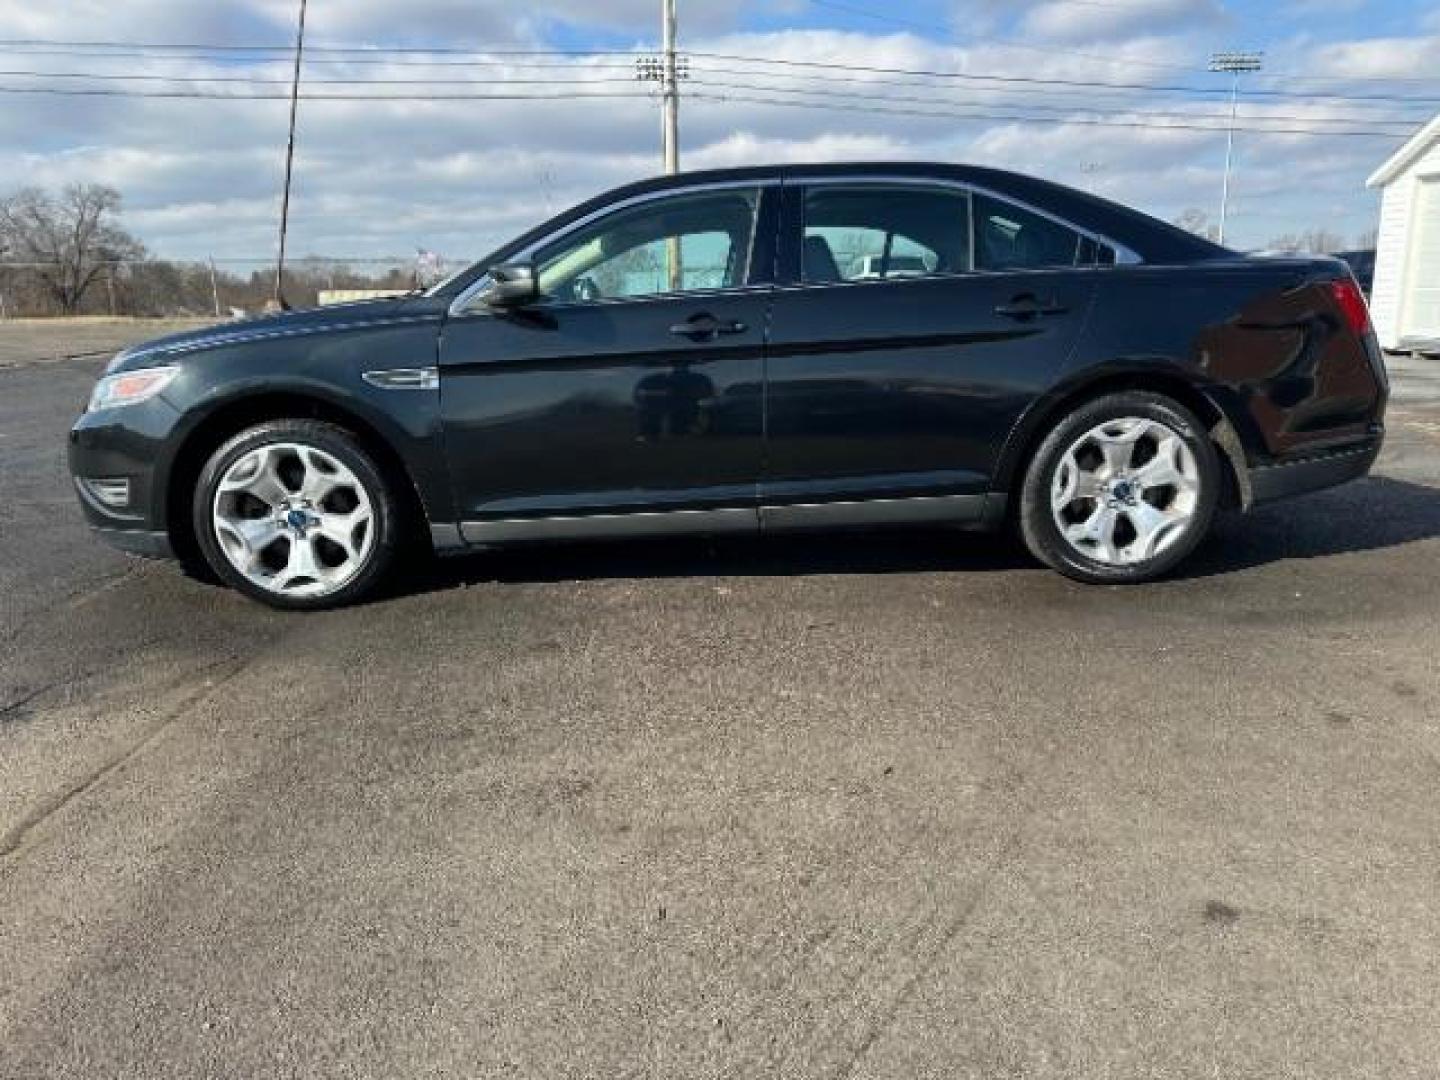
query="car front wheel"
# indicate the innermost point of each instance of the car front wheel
(1121, 490)
(296, 514)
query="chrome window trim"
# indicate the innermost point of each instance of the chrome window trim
(1124, 256)
(460, 306)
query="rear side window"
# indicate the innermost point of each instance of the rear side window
(1008, 237)
(874, 232)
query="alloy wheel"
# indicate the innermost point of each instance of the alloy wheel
(293, 519)
(1125, 491)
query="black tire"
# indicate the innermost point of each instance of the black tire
(330, 440)
(1041, 532)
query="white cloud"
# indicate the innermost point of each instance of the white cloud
(387, 177)
(1402, 57)
(1064, 20)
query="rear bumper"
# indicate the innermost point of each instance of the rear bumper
(1283, 479)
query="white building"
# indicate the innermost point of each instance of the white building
(1405, 303)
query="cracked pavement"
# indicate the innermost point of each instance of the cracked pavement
(872, 806)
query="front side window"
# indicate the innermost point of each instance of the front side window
(872, 232)
(1009, 237)
(682, 243)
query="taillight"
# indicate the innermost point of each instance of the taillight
(1351, 302)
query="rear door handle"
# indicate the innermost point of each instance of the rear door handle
(1028, 306)
(706, 325)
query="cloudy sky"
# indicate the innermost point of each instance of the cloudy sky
(532, 105)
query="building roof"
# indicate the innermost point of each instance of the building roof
(1415, 148)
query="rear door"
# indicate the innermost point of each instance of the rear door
(629, 399)
(914, 323)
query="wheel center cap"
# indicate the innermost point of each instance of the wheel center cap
(1124, 491)
(298, 520)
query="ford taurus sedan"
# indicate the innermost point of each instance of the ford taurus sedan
(750, 350)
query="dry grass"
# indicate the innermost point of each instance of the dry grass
(32, 341)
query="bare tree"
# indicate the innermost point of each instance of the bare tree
(1198, 222)
(71, 240)
(1317, 241)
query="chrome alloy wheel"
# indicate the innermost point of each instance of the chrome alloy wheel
(1125, 491)
(293, 519)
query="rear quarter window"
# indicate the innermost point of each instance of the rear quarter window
(1009, 237)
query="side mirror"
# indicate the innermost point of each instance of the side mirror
(511, 285)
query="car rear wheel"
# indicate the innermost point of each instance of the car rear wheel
(1121, 490)
(295, 513)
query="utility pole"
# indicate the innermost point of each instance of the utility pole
(667, 69)
(214, 286)
(1234, 63)
(289, 162)
(670, 90)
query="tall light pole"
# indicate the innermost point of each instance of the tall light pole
(1234, 63)
(289, 161)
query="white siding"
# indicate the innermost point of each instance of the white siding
(1396, 301)
(1391, 253)
(1420, 315)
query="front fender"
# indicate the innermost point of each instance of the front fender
(229, 380)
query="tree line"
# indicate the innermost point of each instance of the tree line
(1316, 241)
(65, 254)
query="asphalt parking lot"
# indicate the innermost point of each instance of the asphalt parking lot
(873, 806)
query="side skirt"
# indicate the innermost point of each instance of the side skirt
(955, 509)
(975, 511)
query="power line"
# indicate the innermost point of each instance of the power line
(1065, 109)
(946, 32)
(963, 76)
(701, 76)
(841, 106)
(287, 51)
(370, 61)
(217, 96)
(284, 52)
(1018, 118)
(243, 80)
(1015, 83)
(1216, 91)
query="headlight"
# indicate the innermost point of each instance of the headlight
(131, 387)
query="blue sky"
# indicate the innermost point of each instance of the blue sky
(1016, 84)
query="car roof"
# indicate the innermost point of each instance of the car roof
(1155, 241)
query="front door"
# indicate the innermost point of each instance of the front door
(907, 344)
(629, 398)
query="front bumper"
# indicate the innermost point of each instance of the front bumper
(143, 542)
(124, 445)
(1314, 472)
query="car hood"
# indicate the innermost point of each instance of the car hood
(307, 321)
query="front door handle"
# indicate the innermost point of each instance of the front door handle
(1027, 306)
(705, 325)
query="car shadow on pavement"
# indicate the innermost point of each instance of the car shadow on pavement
(872, 551)
(1369, 515)
(1373, 514)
